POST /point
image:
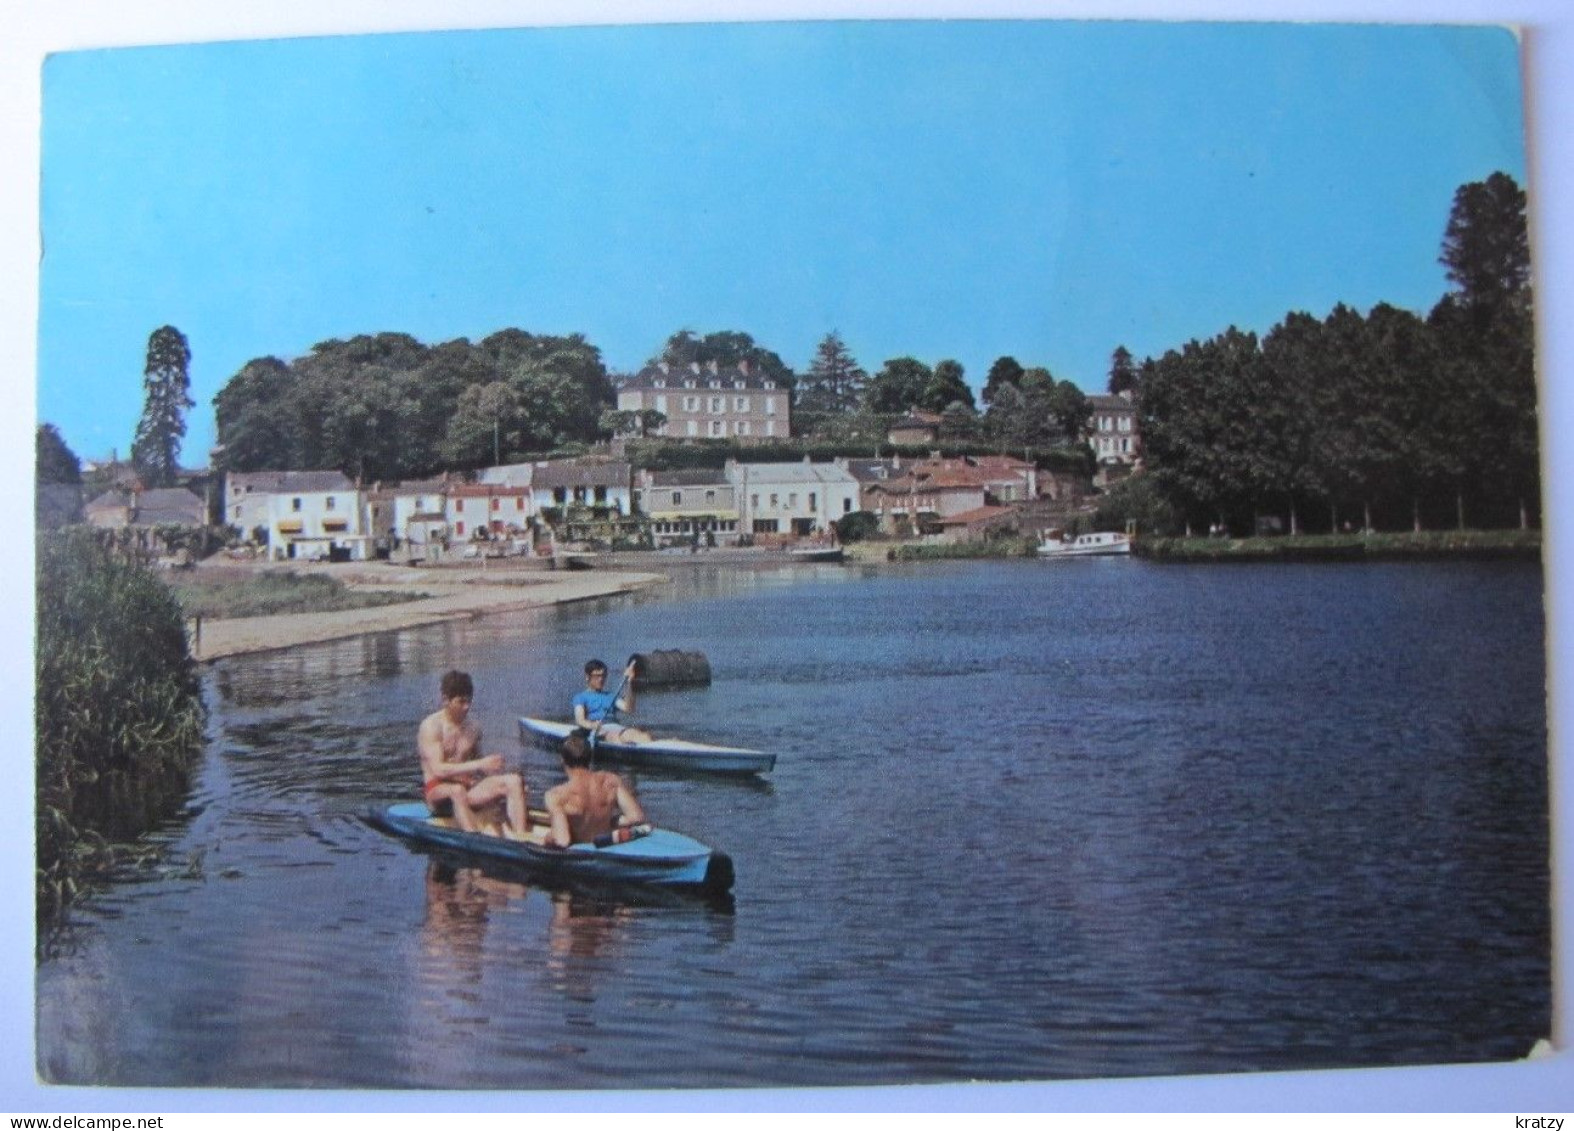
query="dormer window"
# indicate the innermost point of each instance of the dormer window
(770, 384)
(737, 384)
(688, 384)
(715, 384)
(661, 382)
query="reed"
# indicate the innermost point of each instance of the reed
(119, 712)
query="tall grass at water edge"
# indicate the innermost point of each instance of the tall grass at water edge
(119, 712)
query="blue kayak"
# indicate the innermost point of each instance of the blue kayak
(657, 856)
(659, 754)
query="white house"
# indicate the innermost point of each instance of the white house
(488, 510)
(575, 483)
(316, 514)
(796, 499)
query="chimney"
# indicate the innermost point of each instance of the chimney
(711, 367)
(743, 366)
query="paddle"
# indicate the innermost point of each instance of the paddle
(597, 728)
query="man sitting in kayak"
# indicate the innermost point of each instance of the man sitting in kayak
(596, 709)
(454, 777)
(591, 803)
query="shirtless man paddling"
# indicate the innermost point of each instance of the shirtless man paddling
(454, 775)
(590, 803)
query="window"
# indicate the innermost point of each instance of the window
(710, 496)
(560, 495)
(295, 504)
(677, 498)
(330, 503)
(737, 384)
(519, 502)
(770, 427)
(459, 528)
(847, 506)
(741, 427)
(459, 505)
(717, 404)
(600, 494)
(770, 406)
(792, 499)
(773, 501)
(741, 403)
(497, 504)
(661, 403)
(693, 427)
(718, 427)
(661, 383)
(691, 404)
(766, 526)
(814, 502)
(754, 502)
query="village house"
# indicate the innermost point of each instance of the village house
(1112, 429)
(316, 515)
(921, 495)
(915, 428)
(483, 511)
(596, 484)
(785, 500)
(160, 506)
(710, 403)
(685, 505)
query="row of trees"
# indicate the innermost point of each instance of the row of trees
(1385, 418)
(386, 406)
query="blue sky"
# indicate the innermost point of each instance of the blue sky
(1048, 190)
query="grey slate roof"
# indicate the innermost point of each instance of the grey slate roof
(550, 475)
(288, 482)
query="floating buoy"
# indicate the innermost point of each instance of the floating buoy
(670, 668)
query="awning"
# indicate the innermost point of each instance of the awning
(290, 526)
(335, 523)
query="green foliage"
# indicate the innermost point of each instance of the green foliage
(1122, 373)
(1485, 544)
(898, 387)
(385, 406)
(1136, 500)
(727, 349)
(947, 387)
(857, 526)
(833, 386)
(119, 710)
(156, 449)
(57, 463)
(1005, 371)
(944, 551)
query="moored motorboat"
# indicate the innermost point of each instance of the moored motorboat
(1100, 544)
(662, 753)
(815, 554)
(643, 855)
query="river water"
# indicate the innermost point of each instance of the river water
(1029, 821)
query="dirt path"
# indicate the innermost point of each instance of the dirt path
(452, 595)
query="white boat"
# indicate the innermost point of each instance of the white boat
(1086, 545)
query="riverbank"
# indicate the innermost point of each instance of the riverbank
(436, 595)
(1522, 544)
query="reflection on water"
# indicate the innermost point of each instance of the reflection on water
(1026, 823)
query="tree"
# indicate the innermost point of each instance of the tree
(258, 418)
(1005, 371)
(57, 463)
(727, 349)
(155, 452)
(834, 384)
(1486, 246)
(898, 387)
(1122, 374)
(945, 388)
